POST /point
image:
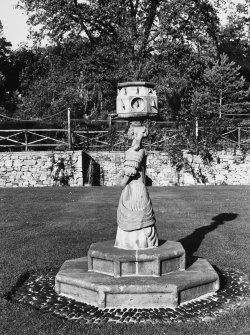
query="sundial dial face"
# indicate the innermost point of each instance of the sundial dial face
(138, 104)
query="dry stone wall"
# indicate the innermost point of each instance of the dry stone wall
(48, 168)
(110, 166)
(225, 168)
(43, 168)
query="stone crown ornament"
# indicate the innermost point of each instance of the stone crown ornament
(136, 99)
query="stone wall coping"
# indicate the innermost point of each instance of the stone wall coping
(37, 153)
(123, 152)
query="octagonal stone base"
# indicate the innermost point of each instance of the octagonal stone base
(103, 257)
(74, 280)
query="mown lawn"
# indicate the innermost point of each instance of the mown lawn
(42, 227)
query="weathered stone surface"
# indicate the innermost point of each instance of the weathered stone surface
(8, 163)
(136, 99)
(36, 168)
(104, 258)
(17, 162)
(135, 216)
(169, 290)
(226, 168)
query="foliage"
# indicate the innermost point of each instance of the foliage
(95, 44)
(235, 36)
(220, 91)
(67, 75)
(224, 87)
(131, 31)
(218, 99)
(137, 40)
(7, 96)
(62, 170)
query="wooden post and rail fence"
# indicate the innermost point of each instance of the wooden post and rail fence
(71, 138)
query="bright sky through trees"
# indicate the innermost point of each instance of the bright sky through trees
(14, 22)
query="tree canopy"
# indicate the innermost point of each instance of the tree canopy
(133, 29)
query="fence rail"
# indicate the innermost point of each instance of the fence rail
(235, 136)
(26, 138)
(112, 138)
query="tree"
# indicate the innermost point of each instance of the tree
(136, 40)
(224, 87)
(219, 98)
(70, 74)
(235, 37)
(7, 97)
(132, 28)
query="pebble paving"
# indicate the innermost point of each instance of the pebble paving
(38, 291)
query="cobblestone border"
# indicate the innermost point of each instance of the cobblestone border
(38, 291)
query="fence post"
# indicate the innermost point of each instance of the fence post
(239, 137)
(111, 147)
(69, 130)
(196, 133)
(110, 122)
(26, 139)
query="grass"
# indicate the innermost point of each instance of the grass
(42, 227)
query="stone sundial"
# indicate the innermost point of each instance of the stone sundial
(135, 269)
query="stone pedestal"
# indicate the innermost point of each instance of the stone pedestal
(156, 277)
(105, 258)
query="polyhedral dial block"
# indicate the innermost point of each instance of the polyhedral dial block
(136, 99)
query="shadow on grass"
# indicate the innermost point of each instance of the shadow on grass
(23, 278)
(20, 281)
(192, 242)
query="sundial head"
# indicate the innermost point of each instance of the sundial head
(136, 100)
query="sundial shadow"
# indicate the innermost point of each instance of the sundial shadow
(192, 242)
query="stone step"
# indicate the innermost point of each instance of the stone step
(104, 258)
(169, 290)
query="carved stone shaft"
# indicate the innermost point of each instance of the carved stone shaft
(135, 216)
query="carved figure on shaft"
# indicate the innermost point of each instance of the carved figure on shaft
(135, 217)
